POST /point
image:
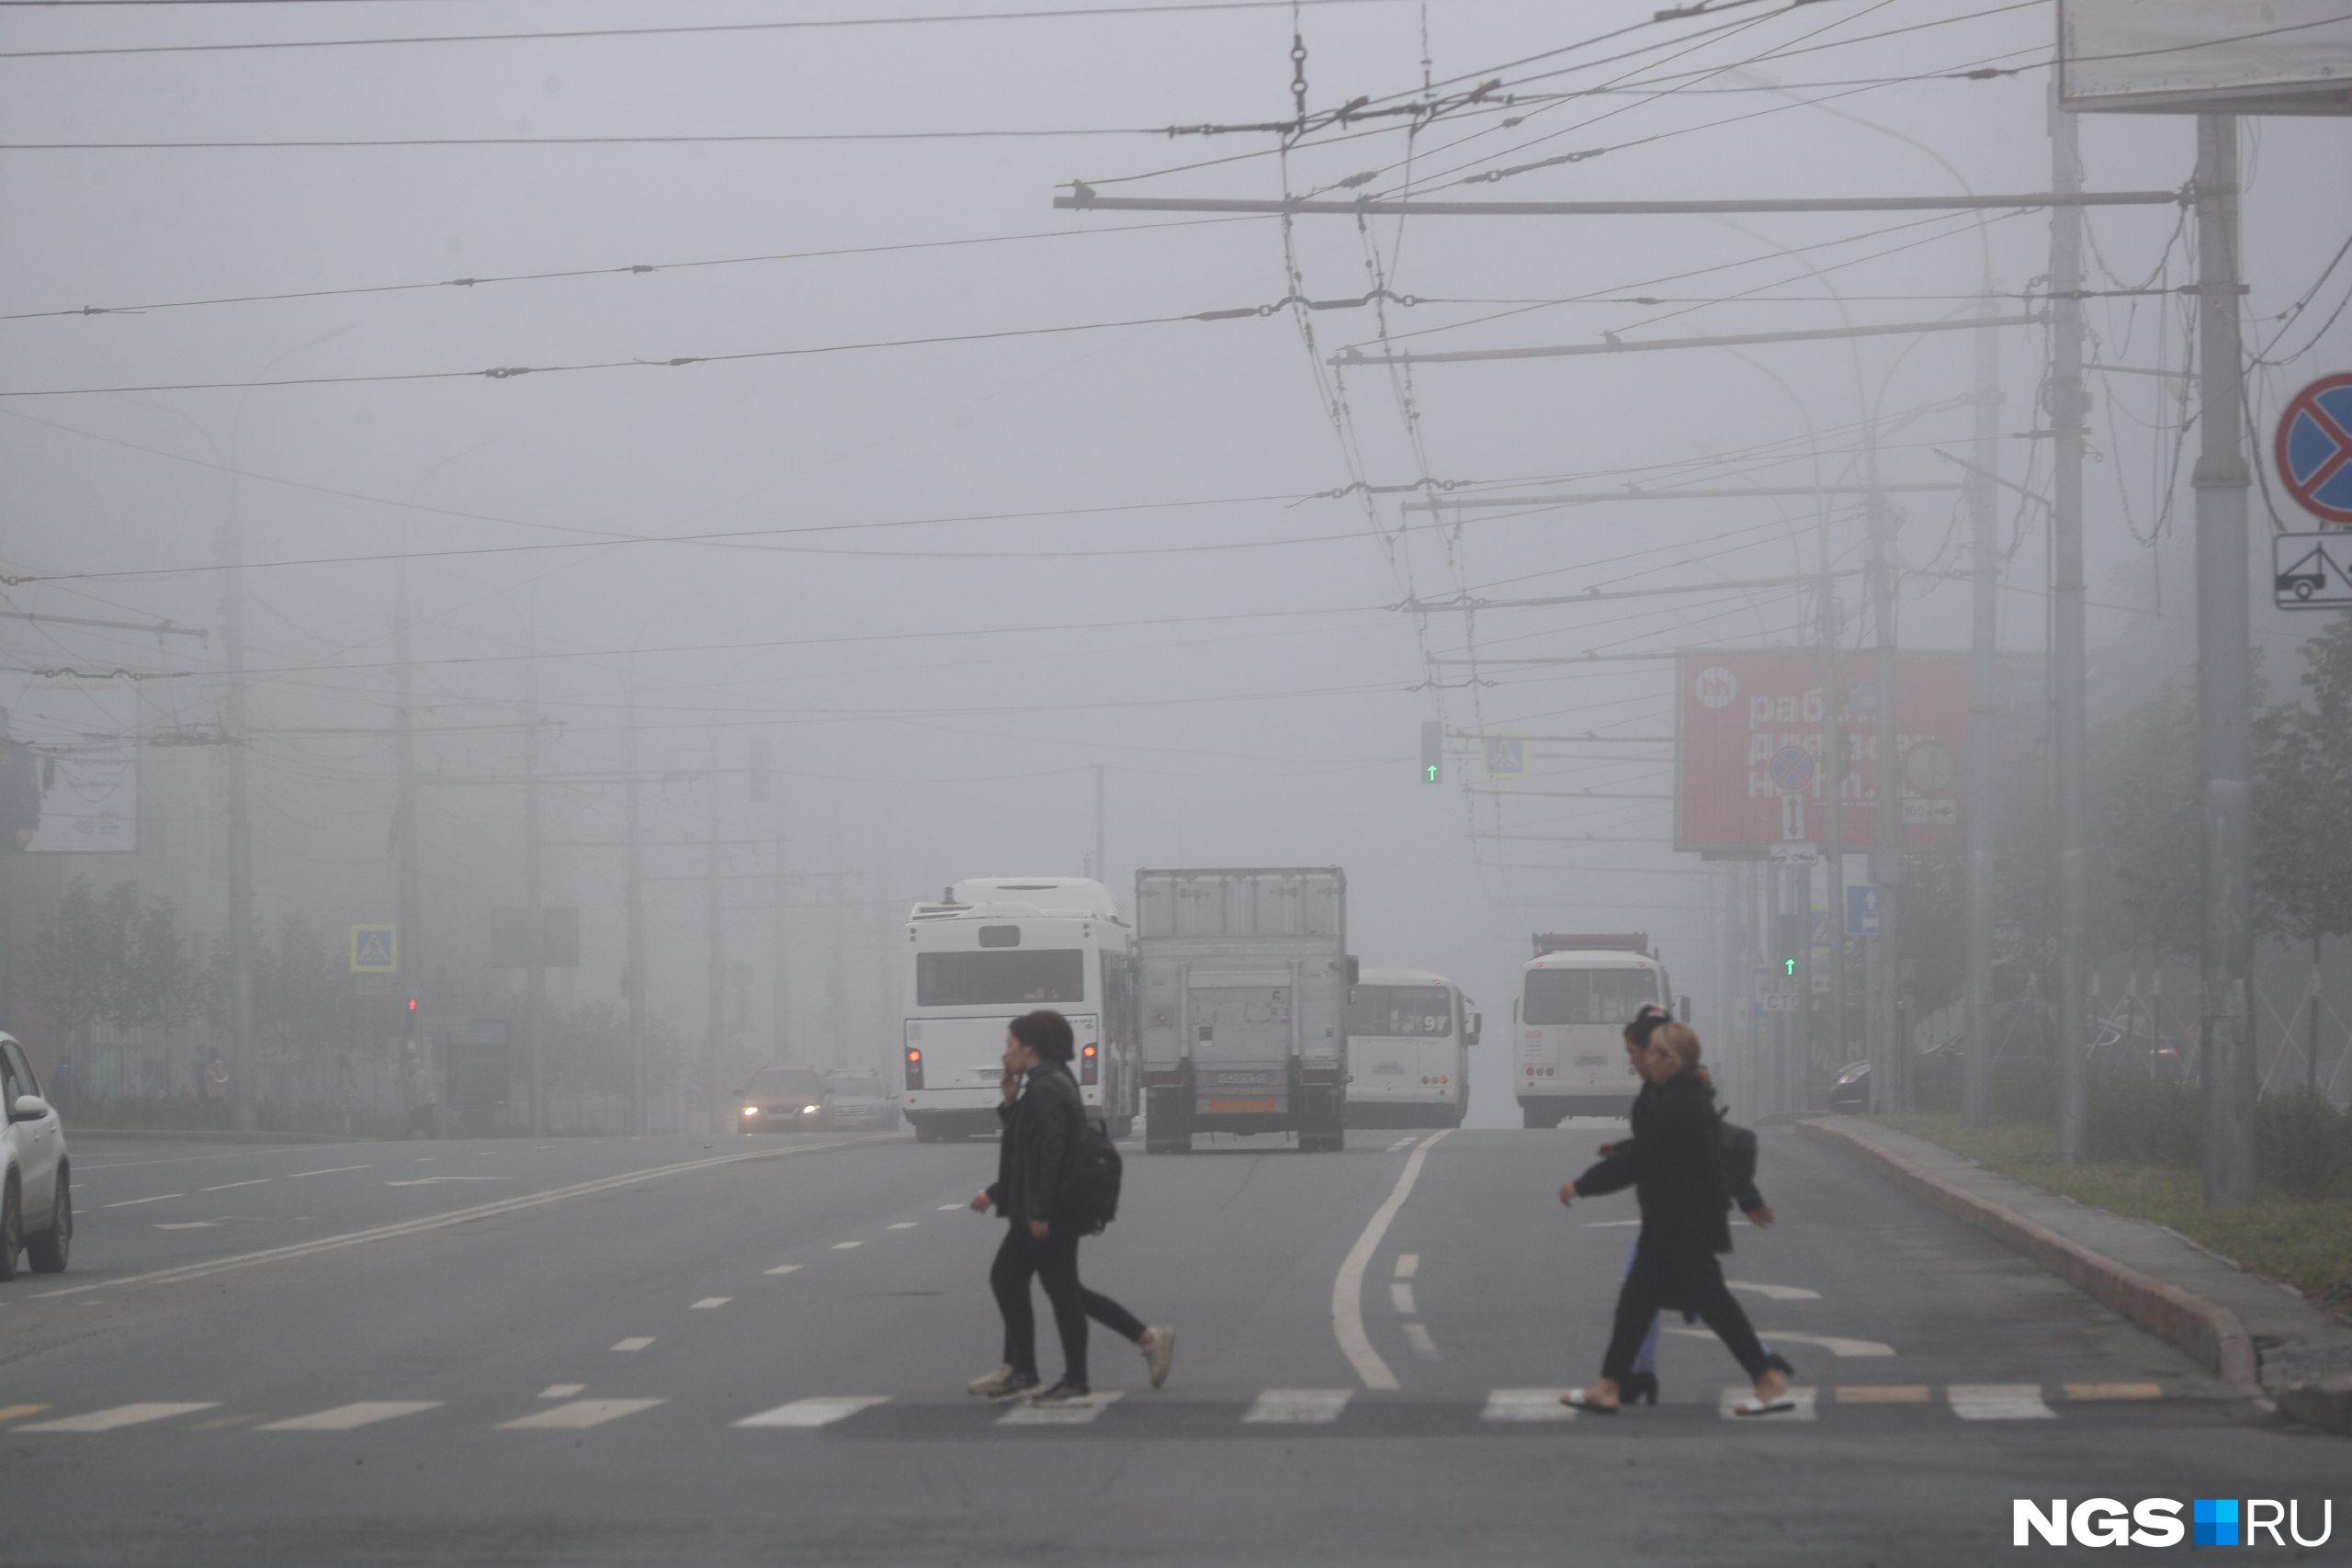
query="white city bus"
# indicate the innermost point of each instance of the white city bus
(1573, 1006)
(1409, 1034)
(995, 948)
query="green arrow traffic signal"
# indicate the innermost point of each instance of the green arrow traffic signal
(1792, 966)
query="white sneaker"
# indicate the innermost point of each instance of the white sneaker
(1159, 1352)
(1002, 1380)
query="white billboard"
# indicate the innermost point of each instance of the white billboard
(2250, 57)
(68, 775)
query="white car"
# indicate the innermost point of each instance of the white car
(36, 1178)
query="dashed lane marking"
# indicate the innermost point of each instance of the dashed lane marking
(951, 1208)
(226, 1186)
(711, 1303)
(1416, 1335)
(1775, 1292)
(187, 1225)
(845, 1246)
(1611, 1224)
(1077, 1413)
(1883, 1393)
(120, 1415)
(1297, 1407)
(783, 1269)
(1346, 1288)
(1400, 1296)
(222, 1423)
(1799, 1399)
(134, 1202)
(904, 1225)
(1408, 1265)
(639, 1344)
(2082, 1393)
(1524, 1404)
(19, 1412)
(351, 1417)
(1999, 1401)
(330, 1170)
(438, 1181)
(807, 1413)
(577, 1413)
(563, 1391)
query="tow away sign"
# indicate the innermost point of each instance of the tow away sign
(2312, 571)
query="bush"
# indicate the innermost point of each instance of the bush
(2302, 1144)
(2134, 1119)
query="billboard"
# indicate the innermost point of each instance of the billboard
(68, 775)
(2203, 57)
(1749, 772)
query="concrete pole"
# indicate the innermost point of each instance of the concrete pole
(1889, 1053)
(635, 917)
(244, 1064)
(1833, 772)
(2070, 734)
(2225, 678)
(535, 971)
(1984, 705)
(779, 963)
(408, 893)
(1102, 867)
(714, 969)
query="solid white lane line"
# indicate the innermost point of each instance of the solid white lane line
(1999, 1401)
(441, 1221)
(563, 1390)
(577, 1413)
(815, 1411)
(225, 1186)
(781, 1268)
(1837, 1346)
(1526, 1405)
(904, 1225)
(634, 1344)
(134, 1202)
(1074, 1414)
(1347, 1289)
(1298, 1406)
(118, 1415)
(1408, 1265)
(1416, 1335)
(708, 1302)
(331, 1171)
(1400, 1296)
(350, 1417)
(845, 1246)
(1801, 1397)
(1775, 1292)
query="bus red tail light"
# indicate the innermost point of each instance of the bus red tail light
(1089, 1065)
(914, 1068)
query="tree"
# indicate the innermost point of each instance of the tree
(105, 958)
(2302, 786)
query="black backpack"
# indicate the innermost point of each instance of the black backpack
(1091, 1181)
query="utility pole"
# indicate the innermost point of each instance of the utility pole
(837, 984)
(1984, 698)
(244, 1067)
(535, 972)
(407, 890)
(780, 976)
(1101, 865)
(635, 922)
(1890, 1053)
(2225, 678)
(2070, 735)
(714, 972)
(1833, 809)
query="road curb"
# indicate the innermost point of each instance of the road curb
(2209, 1331)
(2326, 1403)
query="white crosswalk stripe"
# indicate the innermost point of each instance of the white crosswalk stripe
(1526, 1405)
(1298, 1406)
(814, 1412)
(350, 1417)
(1073, 1415)
(120, 1415)
(574, 1415)
(1999, 1401)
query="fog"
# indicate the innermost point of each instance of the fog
(957, 511)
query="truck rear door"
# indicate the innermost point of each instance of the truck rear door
(1244, 1029)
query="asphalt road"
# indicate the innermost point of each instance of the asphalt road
(502, 1352)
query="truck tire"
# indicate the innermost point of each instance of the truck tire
(1168, 1122)
(926, 1130)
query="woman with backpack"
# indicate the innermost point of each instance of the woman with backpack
(1042, 1114)
(1675, 1164)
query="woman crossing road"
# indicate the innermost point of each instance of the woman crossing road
(1042, 1112)
(1674, 1163)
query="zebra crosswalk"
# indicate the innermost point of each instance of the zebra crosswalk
(570, 1407)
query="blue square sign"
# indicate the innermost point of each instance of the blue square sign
(1862, 910)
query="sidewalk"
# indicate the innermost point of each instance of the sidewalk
(2259, 1336)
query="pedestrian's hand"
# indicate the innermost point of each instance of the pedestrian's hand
(980, 1203)
(1761, 1216)
(1567, 1194)
(1037, 1230)
(1010, 1084)
(1607, 1149)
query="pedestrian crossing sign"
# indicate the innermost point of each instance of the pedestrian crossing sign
(1505, 755)
(375, 949)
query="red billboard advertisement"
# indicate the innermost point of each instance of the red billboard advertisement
(1749, 770)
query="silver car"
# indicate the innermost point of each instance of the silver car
(36, 1178)
(862, 1101)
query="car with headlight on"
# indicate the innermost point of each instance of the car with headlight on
(784, 1100)
(862, 1102)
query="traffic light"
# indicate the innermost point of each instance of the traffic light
(1432, 750)
(1795, 944)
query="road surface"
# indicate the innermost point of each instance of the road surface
(688, 1351)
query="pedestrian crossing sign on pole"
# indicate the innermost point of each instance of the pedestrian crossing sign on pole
(1506, 755)
(375, 949)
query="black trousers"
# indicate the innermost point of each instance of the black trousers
(1054, 1262)
(1696, 1284)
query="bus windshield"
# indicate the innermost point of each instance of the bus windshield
(1587, 996)
(1003, 977)
(1400, 1010)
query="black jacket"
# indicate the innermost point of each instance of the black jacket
(1038, 1125)
(1674, 1163)
(1738, 1189)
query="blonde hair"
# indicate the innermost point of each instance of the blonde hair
(1681, 1041)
